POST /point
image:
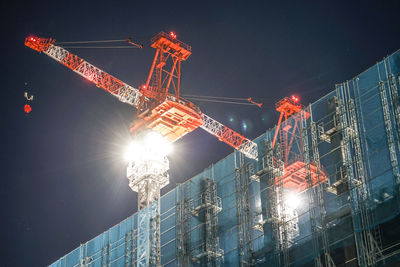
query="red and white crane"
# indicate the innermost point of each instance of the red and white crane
(161, 109)
(157, 108)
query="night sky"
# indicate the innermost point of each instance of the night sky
(63, 178)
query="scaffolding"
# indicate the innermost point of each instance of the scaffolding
(183, 225)
(206, 208)
(243, 170)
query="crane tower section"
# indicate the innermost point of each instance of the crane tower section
(294, 176)
(161, 108)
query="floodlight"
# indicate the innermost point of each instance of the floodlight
(158, 144)
(132, 151)
(292, 200)
(149, 146)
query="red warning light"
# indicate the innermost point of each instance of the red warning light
(27, 109)
(295, 99)
(173, 35)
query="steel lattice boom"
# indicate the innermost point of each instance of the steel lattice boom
(117, 88)
(229, 136)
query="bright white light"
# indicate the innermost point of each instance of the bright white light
(292, 201)
(132, 151)
(152, 146)
(158, 144)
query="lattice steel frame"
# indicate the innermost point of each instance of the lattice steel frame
(183, 225)
(209, 203)
(229, 136)
(368, 250)
(243, 210)
(124, 92)
(147, 177)
(389, 133)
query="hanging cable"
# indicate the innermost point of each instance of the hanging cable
(127, 40)
(222, 99)
(134, 47)
(219, 101)
(92, 42)
(216, 97)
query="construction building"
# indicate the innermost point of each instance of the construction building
(324, 191)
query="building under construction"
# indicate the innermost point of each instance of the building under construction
(324, 191)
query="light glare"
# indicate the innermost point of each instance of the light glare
(132, 150)
(152, 146)
(292, 201)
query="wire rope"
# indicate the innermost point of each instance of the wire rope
(219, 101)
(216, 97)
(92, 42)
(134, 47)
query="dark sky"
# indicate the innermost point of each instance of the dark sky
(63, 178)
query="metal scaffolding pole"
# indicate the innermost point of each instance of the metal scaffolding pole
(270, 218)
(396, 104)
(243, 211)
(390, 134)
(320, 198)
(280, 209)
(310, 189)
(208, 205)
(183, 225)
(368, 249)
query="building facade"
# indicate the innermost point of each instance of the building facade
(324, 192)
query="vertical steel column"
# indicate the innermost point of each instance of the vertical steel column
(367, 247)
(207, 207)
(320, 197)
(186, 224)
(243, 211)
(148, 242)
(269, 203)
(390, 134)
(182, 225)
(128, 249)
(280, 208)
(310, 189)
(348, 164)
(211, 223)
(396, 104)
(132, 246)
(179, 225)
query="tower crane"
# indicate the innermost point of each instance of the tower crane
(161, 109)
(157, 108)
